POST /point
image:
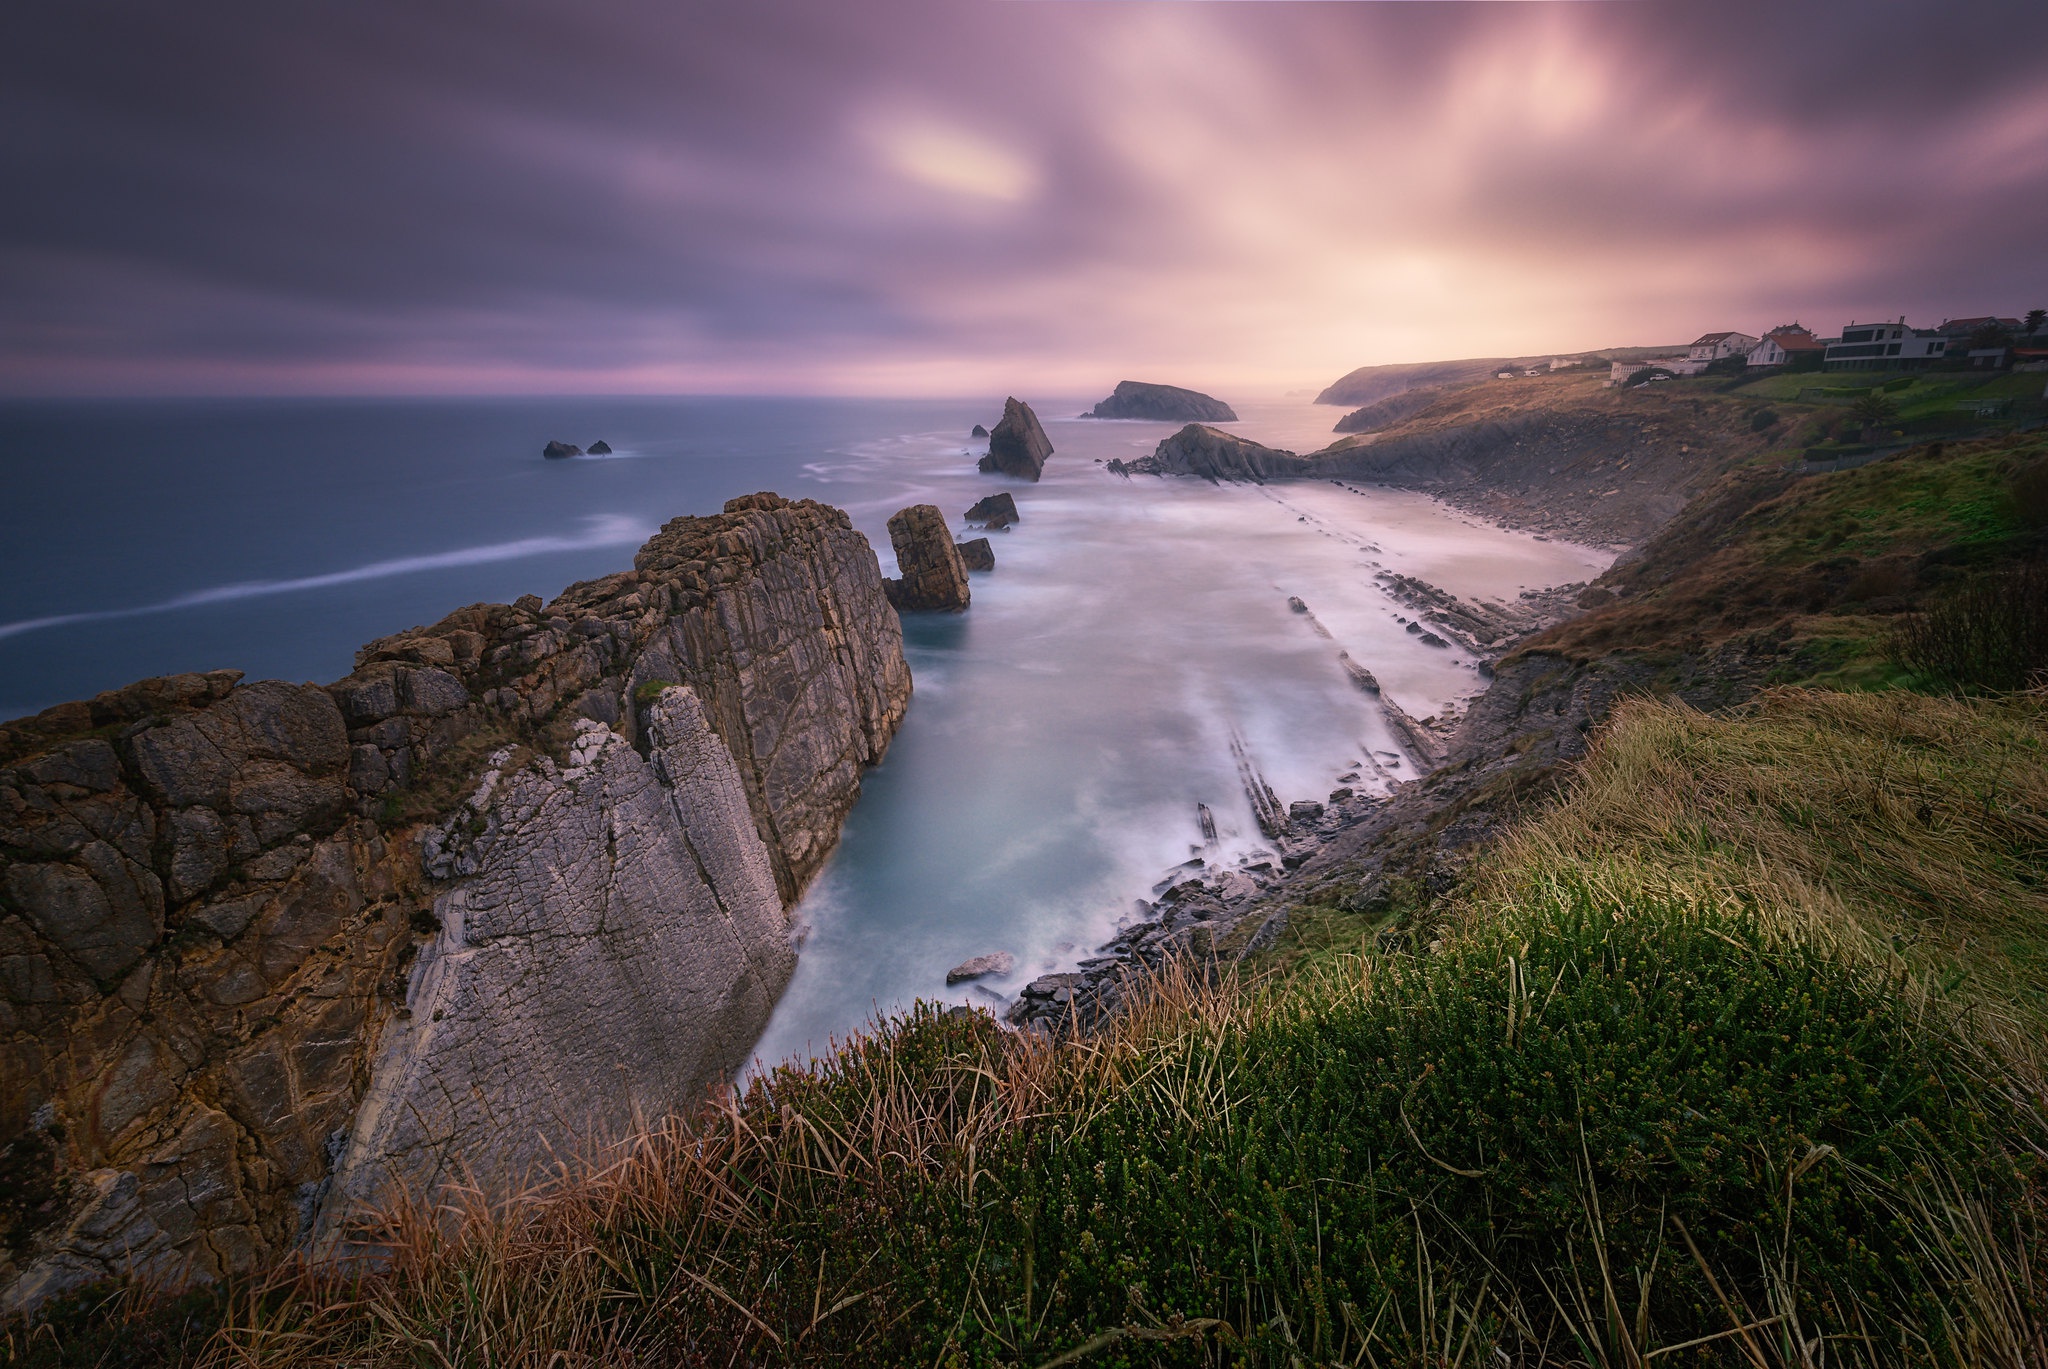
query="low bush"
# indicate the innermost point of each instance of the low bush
(1990, 633)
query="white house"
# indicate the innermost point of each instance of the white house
(1886, 347)
(1783, 346)
(1709, 348)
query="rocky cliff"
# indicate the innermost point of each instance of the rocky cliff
(1162, 403)
(267, 949)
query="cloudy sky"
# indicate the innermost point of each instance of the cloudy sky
(937, 196)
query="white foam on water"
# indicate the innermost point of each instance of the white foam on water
(602, 530)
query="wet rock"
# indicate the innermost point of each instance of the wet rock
(977, 554)
(600, 448)
(1162, 403)
(1018, 446)
(556, 451)
(1304, 810)
(933, 576)
(994, 510)
(1295, 605)
(995, 962)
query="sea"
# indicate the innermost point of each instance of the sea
(1062, 731)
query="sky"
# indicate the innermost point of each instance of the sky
(961, 196)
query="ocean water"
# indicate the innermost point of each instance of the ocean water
(1062, 730)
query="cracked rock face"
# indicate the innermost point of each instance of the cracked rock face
(617, 948)
(229, 913)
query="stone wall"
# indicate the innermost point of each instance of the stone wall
(219, 937)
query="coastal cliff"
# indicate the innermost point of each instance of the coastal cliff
(270, 949)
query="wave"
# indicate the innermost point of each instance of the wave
(600, 530)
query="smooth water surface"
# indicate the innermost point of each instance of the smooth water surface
(1062, 730)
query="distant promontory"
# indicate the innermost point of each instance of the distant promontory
(1162, 403)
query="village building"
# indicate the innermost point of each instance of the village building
(1886, 347)
(1709, 348)
(1785, 345)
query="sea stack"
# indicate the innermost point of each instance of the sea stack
(1163, 404)
(1019, 445)
(600, 448)
(556, 451)
(933, 576)
(977, 554)
(979, 431)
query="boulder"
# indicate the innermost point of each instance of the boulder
(1018, 446)
(555, 451)
(995, 962)
(1304, 810)
(995, 510)
(933, 576)
(979, 431)
(600, 448)
(977, 555)
(1163, 404)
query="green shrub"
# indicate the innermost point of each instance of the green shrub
(1990, 633)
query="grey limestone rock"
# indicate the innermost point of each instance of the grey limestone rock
(995, 962)
(217, 899)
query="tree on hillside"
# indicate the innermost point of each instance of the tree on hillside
(2035, 319)
(1875, 409)
(1989, 336)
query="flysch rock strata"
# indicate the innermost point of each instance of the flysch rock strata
(218, 932)
(1018, 446)
(934, 577)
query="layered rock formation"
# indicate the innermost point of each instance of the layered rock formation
(977, 554)
(1018, 446)
(270, 948)
(1216, 455)
(933, 576)
(1162, 403)
(1390, 411)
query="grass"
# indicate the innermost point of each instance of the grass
(1727, 1058)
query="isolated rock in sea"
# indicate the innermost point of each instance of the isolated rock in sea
(555, 451)
(1162, 403)
(994, 510)
(977, 554)
(995, 962)
(979, 431)
(278, 943)
(1018, 446)
(933, 576)
(1211, 452)
(1295, 604)
(600, 448)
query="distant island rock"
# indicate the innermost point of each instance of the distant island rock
(933, 575)
(1214, 455)
(1019, 445)
(995, 510)
(1162, 403)
(599, 448)
(979, 431)
(556, 451)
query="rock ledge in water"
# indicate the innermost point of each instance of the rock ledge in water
(995, 962)
(995, 510)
